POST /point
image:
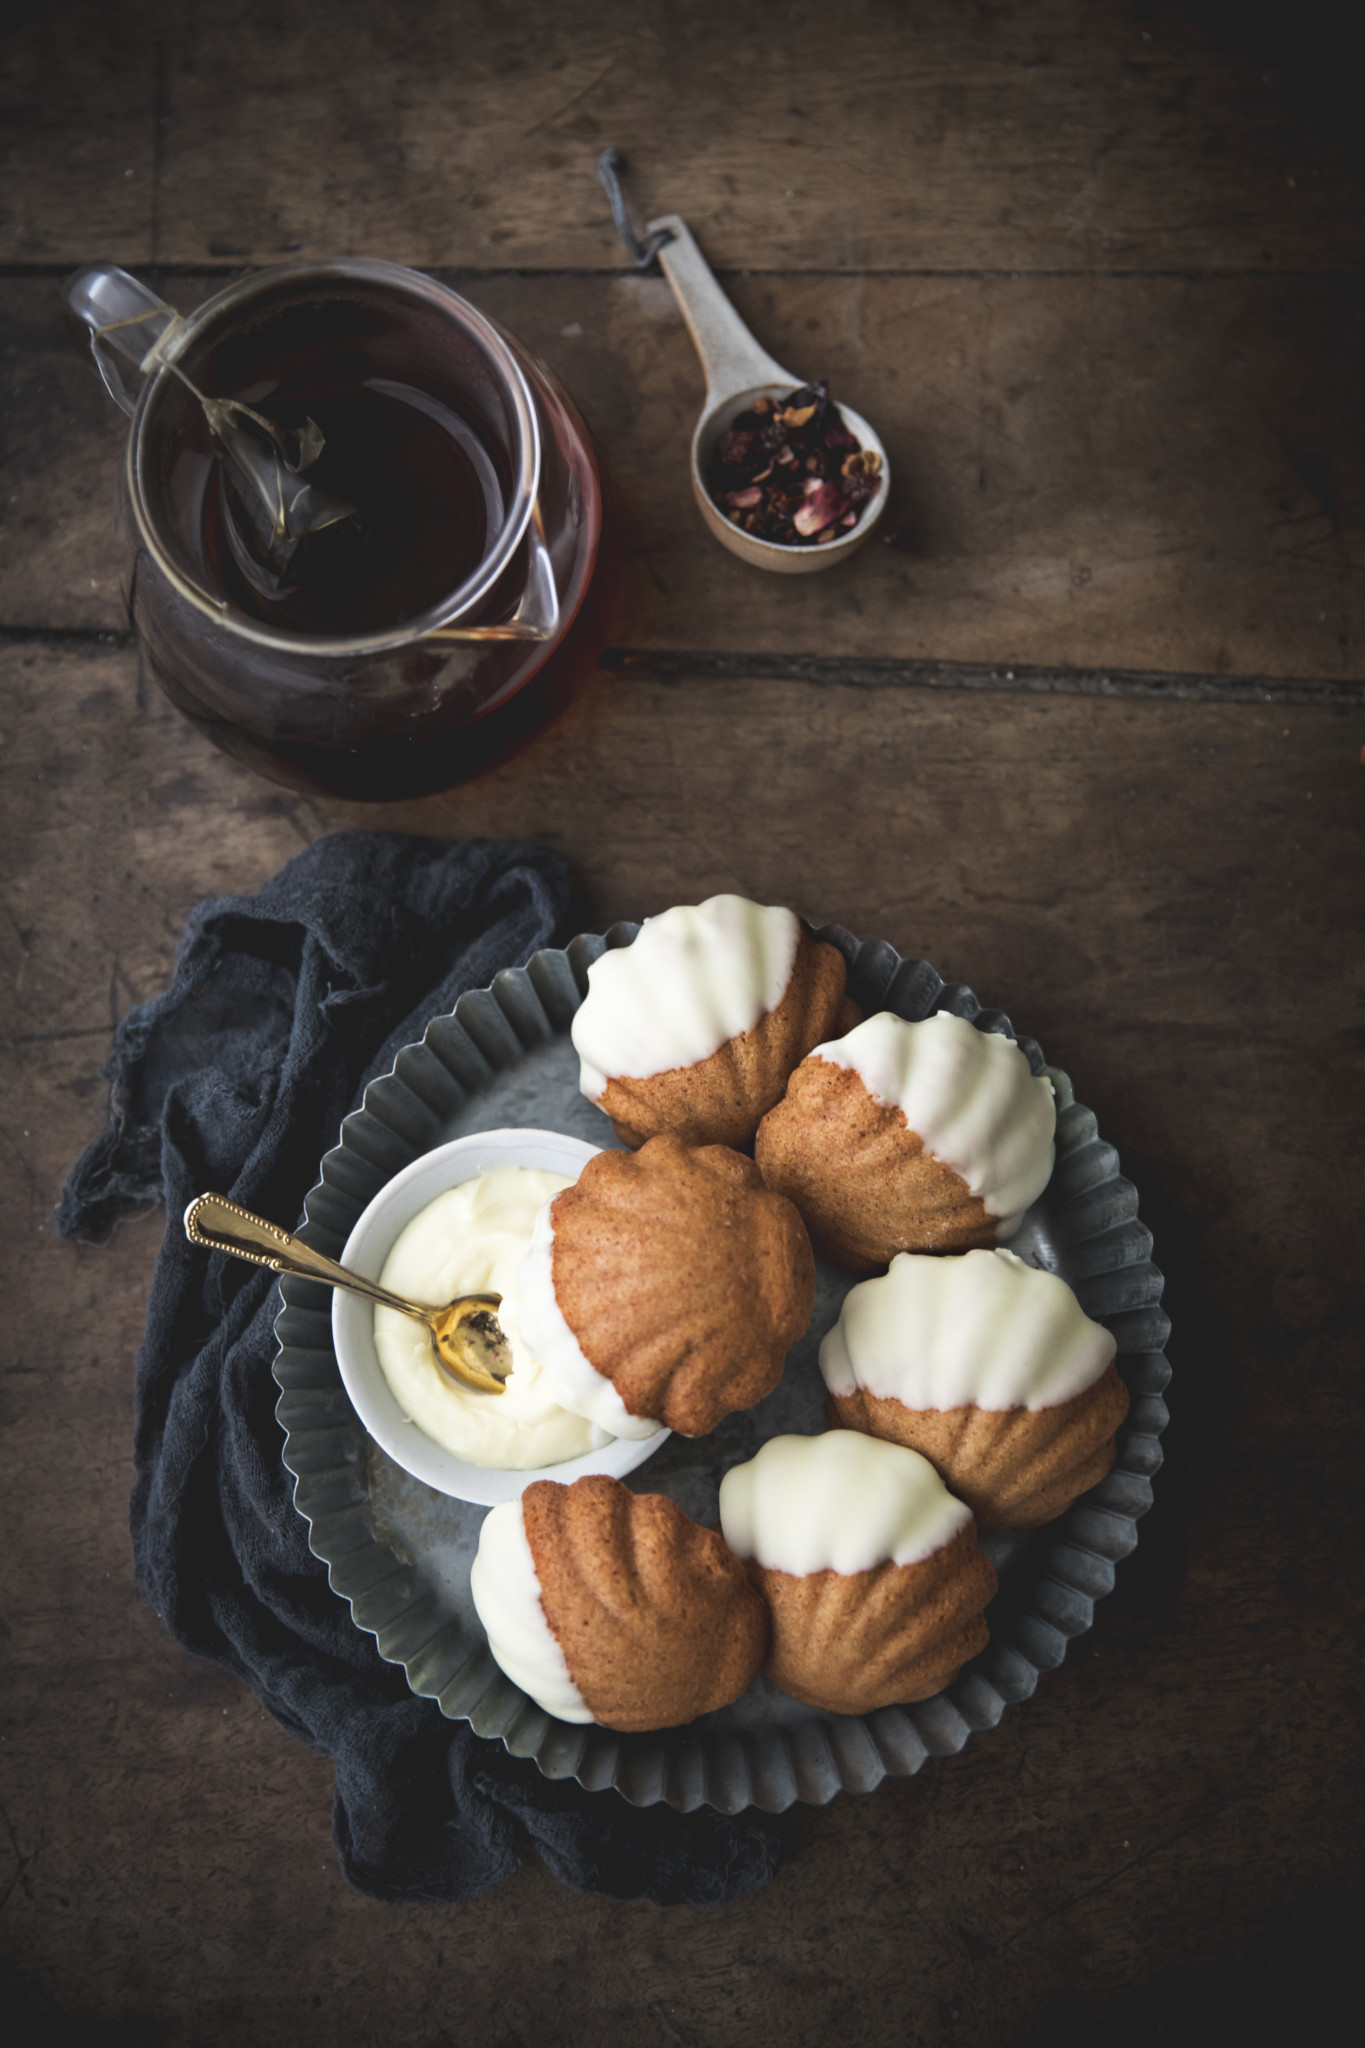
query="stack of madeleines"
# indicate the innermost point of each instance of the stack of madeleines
(966, 1391)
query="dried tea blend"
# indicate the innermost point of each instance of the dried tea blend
(790, 471)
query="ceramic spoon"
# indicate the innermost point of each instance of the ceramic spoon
(470, 1347)
(738, 371)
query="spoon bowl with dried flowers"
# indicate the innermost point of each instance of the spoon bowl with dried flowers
(784, 477)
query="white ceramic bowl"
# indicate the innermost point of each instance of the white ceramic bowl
(367, 1249)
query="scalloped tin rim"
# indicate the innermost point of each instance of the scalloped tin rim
(811, 1758)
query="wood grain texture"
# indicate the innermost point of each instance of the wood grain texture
(1004, 136)
(1094, 272)
(1168, 896)
(1144, 473)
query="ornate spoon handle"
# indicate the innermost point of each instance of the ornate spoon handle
(222, 1226)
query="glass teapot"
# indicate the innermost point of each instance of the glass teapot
(367, 526)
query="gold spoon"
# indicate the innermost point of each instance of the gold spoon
(464, 1333)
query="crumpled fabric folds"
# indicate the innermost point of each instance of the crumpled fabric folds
(283, 1006)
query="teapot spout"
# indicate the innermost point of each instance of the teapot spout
(120, 323)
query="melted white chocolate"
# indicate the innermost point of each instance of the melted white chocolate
(839, 1502)
(507, 1599)
(695, 977)
(981, 1330)
(471, 1241)
(576, 1383)
(968, 1094)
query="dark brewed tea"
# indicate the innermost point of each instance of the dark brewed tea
(372, 408)
(424, 497)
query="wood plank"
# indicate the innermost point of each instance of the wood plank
(1037, 847)
(77, 131)
(1014, 137)
(1167, 895)
(1135, 473)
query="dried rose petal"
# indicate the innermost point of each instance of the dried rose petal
(824, 504)
(744, 500)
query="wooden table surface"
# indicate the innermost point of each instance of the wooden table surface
(1085, 728)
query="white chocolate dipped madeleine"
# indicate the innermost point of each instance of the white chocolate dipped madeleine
(910, 1137)
(665, 1288)
(611, 1606)
(987, 1367)
(871, 1570)
(506, 1593)
(694, 1028)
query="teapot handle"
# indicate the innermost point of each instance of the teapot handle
(122, 324)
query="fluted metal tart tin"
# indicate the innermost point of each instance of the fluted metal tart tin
(400, 1552)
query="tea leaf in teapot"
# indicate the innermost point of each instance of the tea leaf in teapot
(272, 507)
(270, 466)
(311, 444)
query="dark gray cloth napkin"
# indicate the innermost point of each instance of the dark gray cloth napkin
(283, 1006)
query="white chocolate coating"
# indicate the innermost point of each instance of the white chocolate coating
(968, 1094)
(575, 1382)
(471, 1241)
(507, 1599)
(981, 1330)
(839, 1502)
(695, 977)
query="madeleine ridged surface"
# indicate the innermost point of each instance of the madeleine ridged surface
(657, 1621)
(850, 1643)
(1016, 1468)
(722, 1099)
(683, 1278)
(860, 1177)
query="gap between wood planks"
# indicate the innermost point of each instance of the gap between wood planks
(661, 665)
(242, 261)
(665, 666)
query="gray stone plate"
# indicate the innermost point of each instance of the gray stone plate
(400, 1553)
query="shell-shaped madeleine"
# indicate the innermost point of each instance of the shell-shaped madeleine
(910, 1137)
(991, 1370)
(695, 1027)
(1016, 1468)
(678, 1283)
(871, 1570)
(656, 1620)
